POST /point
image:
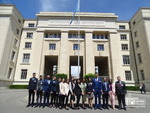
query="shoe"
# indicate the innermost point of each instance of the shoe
(36, 105)
(67, 108)
(83, 107)
(43, 106)
(28, 105)
(95, 108)
(100, 108)
(125, 108)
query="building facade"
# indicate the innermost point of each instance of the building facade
(49, 44)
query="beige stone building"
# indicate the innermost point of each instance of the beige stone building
(49, 44)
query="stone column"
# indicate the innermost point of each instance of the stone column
(89, 56)
(63, 60)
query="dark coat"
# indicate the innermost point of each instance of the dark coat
(55, 85)
(39, 86)
(89, 87)
(104, 87)
(47, 87)
(120, 88)
(32, 83)
(77, 89)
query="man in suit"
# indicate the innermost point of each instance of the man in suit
(39, 91)
(105, 88)
(121, 92)
(32, 89)
(54, 94)
(97, 88)
(46, 90)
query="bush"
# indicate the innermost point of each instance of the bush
(59, 75)
(18, 87)
(133, 88)
(90, 75)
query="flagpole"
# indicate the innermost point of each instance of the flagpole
(79, 38)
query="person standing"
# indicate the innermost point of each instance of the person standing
(83, 88)
(121, 92)
(54, 92)
(78, 93)
(39, 91)
(58, 93)
(32, 89)
(112, 93)
(71, 91)
(66, 94)
(142, 88)
(89, 91)
(97, 88)
(105, 88)
(46, 90)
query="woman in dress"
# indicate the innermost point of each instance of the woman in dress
(112, 93)
(89, 91)
(83, 88)
(78, 93)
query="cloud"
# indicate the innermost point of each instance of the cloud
(53, 5)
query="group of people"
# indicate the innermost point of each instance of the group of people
(62, 90)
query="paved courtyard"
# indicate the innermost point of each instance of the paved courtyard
(15, 101)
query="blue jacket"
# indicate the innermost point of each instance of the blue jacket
(54, 86)
(97, 84)
(47, 87)
(105, 88)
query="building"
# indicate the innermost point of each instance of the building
(49, 43)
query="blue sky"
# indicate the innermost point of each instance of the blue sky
(125, 9)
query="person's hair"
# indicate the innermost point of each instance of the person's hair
(34, 73)
(89, 80)
(83, 78)
(118, 77)
(110, 81)
(41, 76)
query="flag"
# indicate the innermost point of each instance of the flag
(76, 10)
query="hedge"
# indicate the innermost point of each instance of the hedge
(18, 86)
(133, 88)
(61, 75)
(90, 75)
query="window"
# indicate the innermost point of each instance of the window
(24, 73)
(31, 25)
(26, 58)
(29, 35)
(122, 27)
(59, 35)
(139, 58)
(9, 73)
(76, 47)
(52, 46)
(134, 22)
(100, 47)
(28, 44)
(135, 34)
(15, 42)
(128, 75)
(17, 31)
(124, 46)
(142, 75)
(12, 56)
(123, 37)
(100, 36)
(19, 20)
(76, 36)
(126, 59)
(46, 35)
(137, 44)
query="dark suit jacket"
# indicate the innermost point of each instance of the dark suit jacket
(97, 84)
(104, 87)
(120, 88)
(54, 85)
(46, 86)
(77, 89)
(89, 87)
(32, 83)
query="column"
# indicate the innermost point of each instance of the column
(63, 60)
(89, 56)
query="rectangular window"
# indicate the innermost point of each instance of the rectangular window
(123, 37)
(142, 75)
(15, 42)
(17, 31)
(29, 35)
(135, 34)
(28, 44)
(9, 73)
(122, 27)
(26, 58)
(31, 25)
(13, 56)
(128, 75)
(124, 46)
(139, 58)
(126, 59)
(59, 35)
(137, 44)
(93, 36)
(24, 73)
(100, 47)
(52, 46)
(76, 47)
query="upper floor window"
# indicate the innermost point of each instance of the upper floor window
(142, 74)
(19, 20)
(126, 59)
(123, 37)
(24, 73)
(100, 36)
(52, 46)
(134, 22)
(128, 75)
(139, 58)
(100, 47)
(13, 55)
(76, 47)
(15, 42)
(26, 58)
(28, 44)
(29, 35)
(17, 31)
(9, 73)
(31, 25)
(82, 36)
(124, 46)
(122, 27)
(135, 34)
(55, 35)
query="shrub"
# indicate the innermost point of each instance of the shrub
(90, 75)
(133, 88)
(61, 75)
(18, 86)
